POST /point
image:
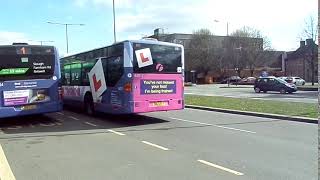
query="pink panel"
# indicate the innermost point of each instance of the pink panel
(150, 90)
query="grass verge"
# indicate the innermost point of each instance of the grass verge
(264, 106)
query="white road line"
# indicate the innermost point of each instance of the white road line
(235, 129)
(115, 132)
(74, 118)
(5, 170)
(14, 127)
(220, 167)
(60, 113)
(59, 120)
(191, 121)
(91, 124)
(154, 145)
(201, 94)
(224, 127)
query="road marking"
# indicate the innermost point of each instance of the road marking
(14, 127)
(224, 127)
(60, 120)
(154, 145)
(74, 118)
(115, 132)
(5, 170)
(200, 94)
(220, 167)
(90, 124)
(47, 125)
(235, 129)
(191, 121)
(60, 113)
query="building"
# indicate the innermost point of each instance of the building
(221, 45)
(185, 39)
(303, 62)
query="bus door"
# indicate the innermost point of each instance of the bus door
(105, 83)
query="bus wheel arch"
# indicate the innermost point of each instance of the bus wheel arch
(88, 104)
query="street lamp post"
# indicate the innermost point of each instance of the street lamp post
(66, 28)
(237, 63)
(114, 23)
(227, 26)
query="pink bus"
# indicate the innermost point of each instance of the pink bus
(127, 77)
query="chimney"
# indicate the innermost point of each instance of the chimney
(309, 42)
(302, 43)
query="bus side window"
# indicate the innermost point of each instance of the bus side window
(86, 68)
(85, 77)
(66, 75)
(76, 74)
(115, 50)
(114, 70)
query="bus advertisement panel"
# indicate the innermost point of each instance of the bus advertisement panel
(127, 77)
(29, 80)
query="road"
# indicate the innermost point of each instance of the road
(220, 90)
(189, 144)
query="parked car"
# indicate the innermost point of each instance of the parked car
(287, 79)
(297, 81)
(266, 84)
(294, 80)
(232, 79)
(248, 80)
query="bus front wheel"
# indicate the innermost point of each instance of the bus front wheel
(88, 104)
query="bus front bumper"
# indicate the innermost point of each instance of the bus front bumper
(30, 109)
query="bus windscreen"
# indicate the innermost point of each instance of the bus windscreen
(165, 59)
(23, 63)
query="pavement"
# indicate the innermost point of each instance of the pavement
(188, 144)
(243, 91)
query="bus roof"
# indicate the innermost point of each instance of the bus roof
(35, 49)
(18, 45)
(155, 42)
(132, 41)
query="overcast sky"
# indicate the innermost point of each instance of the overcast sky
(282, 21)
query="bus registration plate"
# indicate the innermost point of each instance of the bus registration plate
(28, 107)
(159, 104)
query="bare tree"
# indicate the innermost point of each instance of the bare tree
(250, 45)
(233, 54)
(310, 31)
(201, 51)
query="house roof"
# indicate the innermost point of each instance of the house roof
(302, 51)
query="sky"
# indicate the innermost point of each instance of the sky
(282, 21)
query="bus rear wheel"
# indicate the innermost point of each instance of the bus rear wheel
(88, 105)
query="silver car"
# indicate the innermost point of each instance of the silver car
(298, 81)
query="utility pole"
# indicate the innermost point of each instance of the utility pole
(114, 23)
(66, 29)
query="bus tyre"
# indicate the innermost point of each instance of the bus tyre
(88, 105)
